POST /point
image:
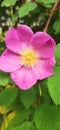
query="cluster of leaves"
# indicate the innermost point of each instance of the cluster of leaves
(39, 107)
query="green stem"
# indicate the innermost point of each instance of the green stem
(2, 39)
(39, 89)
(4, 120)
(11, 12)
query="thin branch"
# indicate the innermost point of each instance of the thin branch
(49, 19)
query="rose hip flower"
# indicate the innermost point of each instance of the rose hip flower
(28, 56)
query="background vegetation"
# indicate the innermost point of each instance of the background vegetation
(39, 107)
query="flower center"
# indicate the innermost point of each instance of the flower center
(29, 57)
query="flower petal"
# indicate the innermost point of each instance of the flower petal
(16, 39)
(25, 78)
(9, 61)
(13, 41)
(52, 61)
(44, 44)
(44, 69)
(25, 33)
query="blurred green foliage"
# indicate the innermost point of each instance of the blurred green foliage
(36, 108)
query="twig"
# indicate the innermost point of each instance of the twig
(49, 19)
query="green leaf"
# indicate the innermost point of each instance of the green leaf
(28, 97)
(7, 96)
(4, 78)
(47, 117)
(20, 117)
(16, 105)
(45, 96)
(26, 8)
(8, 2)
(33, 127)
(46, 1)
(54, 85)
(2, 46)
(56, 26)
(57, 53)
(24, 126)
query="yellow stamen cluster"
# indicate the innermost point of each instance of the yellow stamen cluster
(29, 57)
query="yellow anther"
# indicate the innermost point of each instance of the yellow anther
(29, 57)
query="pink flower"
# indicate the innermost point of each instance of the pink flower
(29, 57)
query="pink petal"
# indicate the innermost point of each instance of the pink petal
(25, 32)
(9, 61)
(43, 69)
(18, 38)
(24, 78)
(13, 41)
(53, 61)
(44, 44)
